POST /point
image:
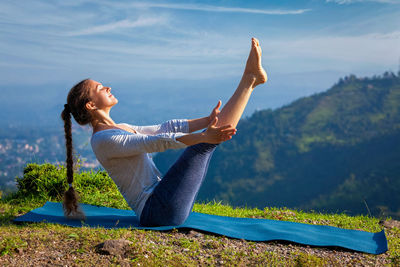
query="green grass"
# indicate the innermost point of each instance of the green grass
(151, 247)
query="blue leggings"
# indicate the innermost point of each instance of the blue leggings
(172, 200)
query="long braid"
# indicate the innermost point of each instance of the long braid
(70, 203)
(68, 143)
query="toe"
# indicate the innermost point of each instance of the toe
(256, 41)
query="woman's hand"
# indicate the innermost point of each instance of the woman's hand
(216, 135)
(201, 123)
(214, 112)
(212, 135)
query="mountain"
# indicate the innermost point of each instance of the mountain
(338, 150)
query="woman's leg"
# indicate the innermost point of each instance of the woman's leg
(253, 75)
(173, 198)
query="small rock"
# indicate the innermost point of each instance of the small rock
(390, 224)
(291, 213)
(114, 247)
(19, 250)
(194, 234)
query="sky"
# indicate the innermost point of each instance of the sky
(47, 41)
(305, 43)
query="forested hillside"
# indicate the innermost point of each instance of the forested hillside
(333, 151)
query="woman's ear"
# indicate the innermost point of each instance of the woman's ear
(90, 106)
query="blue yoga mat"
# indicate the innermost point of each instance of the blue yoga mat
(242, 228)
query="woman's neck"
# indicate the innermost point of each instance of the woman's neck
(103, 122)
(102, 119)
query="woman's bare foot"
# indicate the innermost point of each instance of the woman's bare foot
(254, 70)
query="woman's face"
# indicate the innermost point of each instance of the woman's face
(101, 95)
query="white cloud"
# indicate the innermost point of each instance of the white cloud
(126, 23)
(209, 8)
(390, 35)
(345, 53)
(346, 2)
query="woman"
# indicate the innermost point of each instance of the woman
(122, 149)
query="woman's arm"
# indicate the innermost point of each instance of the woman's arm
(170, 126)
(213, 135)
(124, 145)
(198, 124)
(201, 123)
(117, 143)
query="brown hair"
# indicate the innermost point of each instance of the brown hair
(77, 98)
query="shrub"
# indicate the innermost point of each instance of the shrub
(49, 182)
(42, 181)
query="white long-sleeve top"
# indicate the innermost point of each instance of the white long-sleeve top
(125, 157)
